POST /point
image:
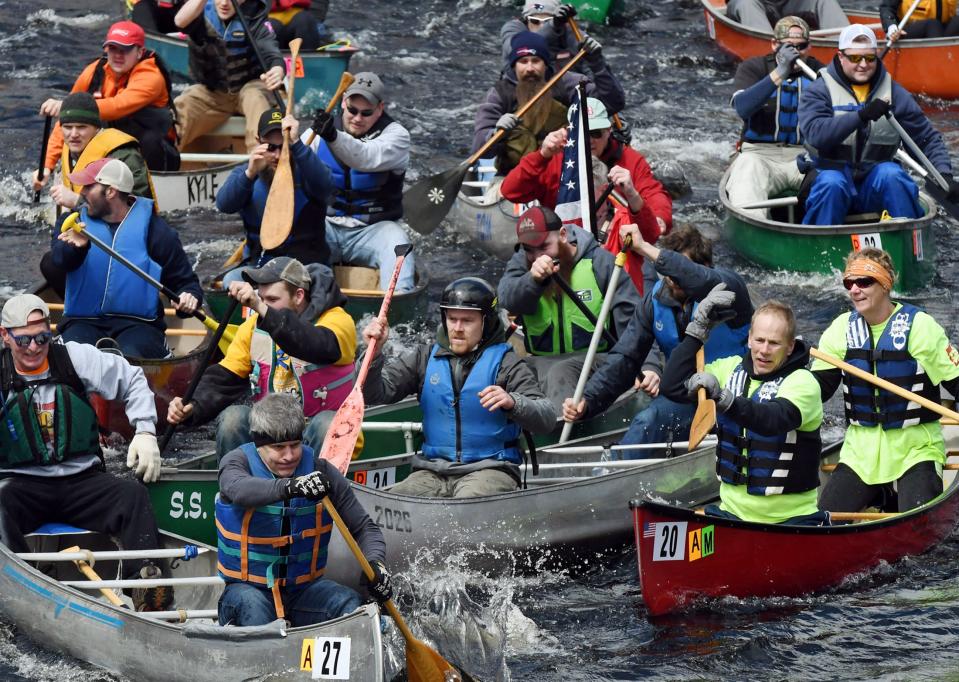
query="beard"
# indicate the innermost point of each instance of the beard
(526, 89)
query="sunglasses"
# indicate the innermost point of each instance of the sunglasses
(533, 21)
(270, 147)
(365, 113)
(856, 58)
(798, 46)
(597, 134)
(23, 340)
(861, 282)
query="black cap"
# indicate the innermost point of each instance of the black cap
(270, 120)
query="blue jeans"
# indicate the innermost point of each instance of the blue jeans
(372, 246)
(135, 339)
(316, 602)
(233, 429)
(887, 186)
(664, 420)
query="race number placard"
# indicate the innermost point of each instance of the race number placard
(670, 541)
(327, 657)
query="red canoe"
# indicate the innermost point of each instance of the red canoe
(926, 66)
(685, 556)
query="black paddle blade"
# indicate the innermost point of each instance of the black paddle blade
(942, 198)
(401, 250)
(426, 203)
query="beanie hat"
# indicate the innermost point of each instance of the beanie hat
(80, 107)
(529, 44)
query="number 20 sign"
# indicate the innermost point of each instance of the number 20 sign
(669, 541)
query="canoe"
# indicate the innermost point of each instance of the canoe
(485, 218)
(780, 244)
(317, 73)
(685, 557)
(79, 623)
(923, 66)
(168, 377)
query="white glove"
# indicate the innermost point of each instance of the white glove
(507, 122)
(144, 455)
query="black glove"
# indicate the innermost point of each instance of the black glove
(565, 13)
(953, 194)
(323, 125)
(380, 587)
(314, 486)
(874, 110)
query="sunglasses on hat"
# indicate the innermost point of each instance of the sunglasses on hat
(365, 113)
(861, 282)
(23, 340)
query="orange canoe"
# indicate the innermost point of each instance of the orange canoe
(926, 66)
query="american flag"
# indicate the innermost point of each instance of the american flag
(576, 180)
(649, 529)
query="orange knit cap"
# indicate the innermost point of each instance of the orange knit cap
(865, 267)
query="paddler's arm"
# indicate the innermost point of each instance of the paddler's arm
(189, 12)
(518, 291)
(393, 380)
(680, 366)
(533, 411)
(754, 86)
(820, 127)
(64, 255)
(322, 344)
(240, 487)
(164, 247)
(314, 174)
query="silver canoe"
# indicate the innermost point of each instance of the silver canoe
(196, 188)
(486, 218)
(143, 648)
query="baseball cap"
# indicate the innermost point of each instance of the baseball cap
(17, 310)
(847, 39)
(367, 84)
(280, 269)
(106, 171)
(781, 30)
(596, 114)
(535, 224)
(534, 7)
(270, 120)
(125, 33)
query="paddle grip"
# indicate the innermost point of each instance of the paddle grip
(47, 125)
(579, 38)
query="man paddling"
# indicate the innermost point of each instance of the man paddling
(299, 340)
(768, 412)
(476, 395)
(273, 533)
(549, 19)
(51, 464)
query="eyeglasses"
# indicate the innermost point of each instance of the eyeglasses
(23, 340)
(365, 113)
(861, 282)
(799, 46)
(534, 21)
(856, 58)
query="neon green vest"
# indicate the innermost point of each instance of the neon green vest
(554, 328)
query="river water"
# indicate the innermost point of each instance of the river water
(588, 623)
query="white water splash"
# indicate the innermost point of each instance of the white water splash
(48, 16)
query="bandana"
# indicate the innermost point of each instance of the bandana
(863, 267)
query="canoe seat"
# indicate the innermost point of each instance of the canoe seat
(59, 529)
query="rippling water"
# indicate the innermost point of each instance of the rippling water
(439, 57)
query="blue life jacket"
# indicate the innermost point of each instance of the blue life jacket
(456, 427)
(868, 405)
(101, 286)
(274, 546)
(370, 197)
(723, 342)
(775, 465)
(307, 240)
(778, 120)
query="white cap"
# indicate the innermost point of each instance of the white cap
(535, 8)
(17, 310)
(850, 35)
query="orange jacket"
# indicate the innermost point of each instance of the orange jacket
(141, 87)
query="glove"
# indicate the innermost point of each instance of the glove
(323, 125)
(507, 122)
(712, 310)
(874, 110)
(144, 457)
(591, 45)
(723, 397)
(565, 13)
(380, 588)
(313, 486)
(786, 57)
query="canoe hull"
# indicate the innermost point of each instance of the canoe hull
(186, 189)
(488, 222)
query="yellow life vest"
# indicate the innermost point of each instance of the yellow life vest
(103, 143)
(940, 10)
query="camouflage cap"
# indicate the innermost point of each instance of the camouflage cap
(781, 30)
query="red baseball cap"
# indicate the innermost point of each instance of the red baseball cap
(126, 34)
(535, 224)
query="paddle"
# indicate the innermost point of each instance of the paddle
(346, 80)
(345, 428)
(87, 570)
(577, 301)
(597, 333)
(705, 417)
(278, 211)
(256, 50)
(195, 379)
(426, 203)
(883, 384)
(902, 22)
(423, 664)
(72, 223)
(938, 189)
(47, 125)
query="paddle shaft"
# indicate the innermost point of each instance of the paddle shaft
(883, 384)
(90, 574)
(705, 417)
(47, 126)
(384, 308)
(568, 290)
(256, 50)
(195, 379)
(917, 152)
(346, 80)
(902, 22)
(579, 38)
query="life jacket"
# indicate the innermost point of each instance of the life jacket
(775, 465)
(881, 141)
(456, 427)
(99, 74)
(105, 142)
(778, 119)
(75, 431)
(226, 61)
(940, 10)
(560, 328)
(723, 342)
(101, 286)
(276, 545)
(307, 240)
(868, 405)
(321, 387)
(370, 197)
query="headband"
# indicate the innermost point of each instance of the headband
(864, 267)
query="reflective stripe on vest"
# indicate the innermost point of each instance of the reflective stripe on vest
(555, 329)
(778, 119)
(253, 545)
(940, 10)
(774, 465)
(101, 286)
(868, 405)
(456, 427)
(320, 387)
(723, 342)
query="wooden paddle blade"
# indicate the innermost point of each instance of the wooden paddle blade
(424, 664)
(426, 203)
(345, 428)
(705, 417)
(278, 212)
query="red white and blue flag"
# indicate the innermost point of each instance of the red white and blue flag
(572, 199)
